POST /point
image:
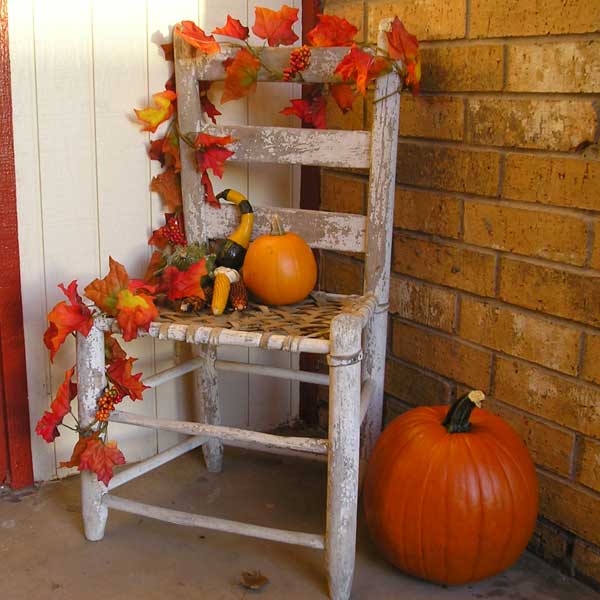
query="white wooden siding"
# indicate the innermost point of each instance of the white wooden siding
(79, 67)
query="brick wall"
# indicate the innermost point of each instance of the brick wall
(496, 260)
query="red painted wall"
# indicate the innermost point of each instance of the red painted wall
(15, 447)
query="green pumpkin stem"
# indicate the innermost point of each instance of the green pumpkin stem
(276, 225)
(457, 418)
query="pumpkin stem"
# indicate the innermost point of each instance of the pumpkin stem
(457, 418)
(276, 225)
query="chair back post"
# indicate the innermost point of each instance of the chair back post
(378, 250)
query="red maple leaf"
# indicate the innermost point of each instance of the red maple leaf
(168, 186)
(170, 150)
(210, 110)
(153, 274)
(241, 75)
(331, 31)
(168, 51)
(100, 458)
(47, 426)
(78, 450)
(65, 319)
(119, 373)
(112, 348)
(344, 95)
(312, 112)
(186, 284)
(134, 311)
(209, 193)
(154, 116)
(159, 238)
(211, 153)
(233, 28)
(402, 45)
(196, 37)
(155, 151)
(276, 26)
(413, 76)
(361, 67)
(104, 292)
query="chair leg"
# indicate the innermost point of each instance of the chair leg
(91, 381)
(206, 395)
(343, 459)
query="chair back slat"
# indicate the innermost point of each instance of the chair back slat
(292, 145)
(323, 230)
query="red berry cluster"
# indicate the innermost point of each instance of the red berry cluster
(174, 232)
(299, 60)
(106, 404)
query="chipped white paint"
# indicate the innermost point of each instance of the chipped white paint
(190, 520)
(177, 371)
(230, 436)
(380, 223)
(325, 148)
(91, 381)
(324, 230)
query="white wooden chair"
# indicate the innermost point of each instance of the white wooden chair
(355, 345)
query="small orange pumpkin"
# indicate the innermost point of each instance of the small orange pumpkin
(280, 268)
(451, 496)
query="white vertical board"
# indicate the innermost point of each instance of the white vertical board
(29, 208)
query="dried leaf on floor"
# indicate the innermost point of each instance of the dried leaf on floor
(253, 580)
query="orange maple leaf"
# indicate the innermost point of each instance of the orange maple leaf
(312, 112)
(104, 292)
(66, 318)
(112, 348)
(331, 31)
(170, 150)
(241, 75)
(196, 37)
(134, 311)
(361, 67)
(153, 274)
(276, 26)
(344, 96)
(154, 116)
(208, 107)
(168, 185)
(78, 450)
(186, 284)
(168, 51)
(47, 426)
(402, 45)
(119, 373)
(233, 28)
(100, 458)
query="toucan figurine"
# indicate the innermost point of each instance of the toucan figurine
(233, 250)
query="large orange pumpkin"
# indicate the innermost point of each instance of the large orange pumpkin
(280, 268)
(451, 495)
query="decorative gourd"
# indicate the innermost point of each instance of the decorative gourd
(280, 268)
(231, 254)
(451, 495)
(224, 278)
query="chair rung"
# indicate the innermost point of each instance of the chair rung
(277, 372)
(191, 520)
(230, 436)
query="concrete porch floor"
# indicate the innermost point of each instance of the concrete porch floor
(43, 554)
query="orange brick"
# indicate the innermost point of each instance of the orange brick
(569, 506)
(429, 212)
(586, 560)
(417, 301)
(548, 395)
(446, 264)
(342, 193)
(567, 67)
(536, 339)
(588, 464)
(547, 124)
(462, 68)
(442, 354)
(567, 294)
(431, 20)
(595, 264)
(340, 275)
(414, 386)
(450, 169)
(569, 182)
(497, 18)
(549, 542)
(591, 359)
(351, 10)
(531, 232)
(549, 446)
(438, 117)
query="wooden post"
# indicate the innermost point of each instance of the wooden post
(382, 190)
(91, 381)
(343, 458)
(206, 393)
